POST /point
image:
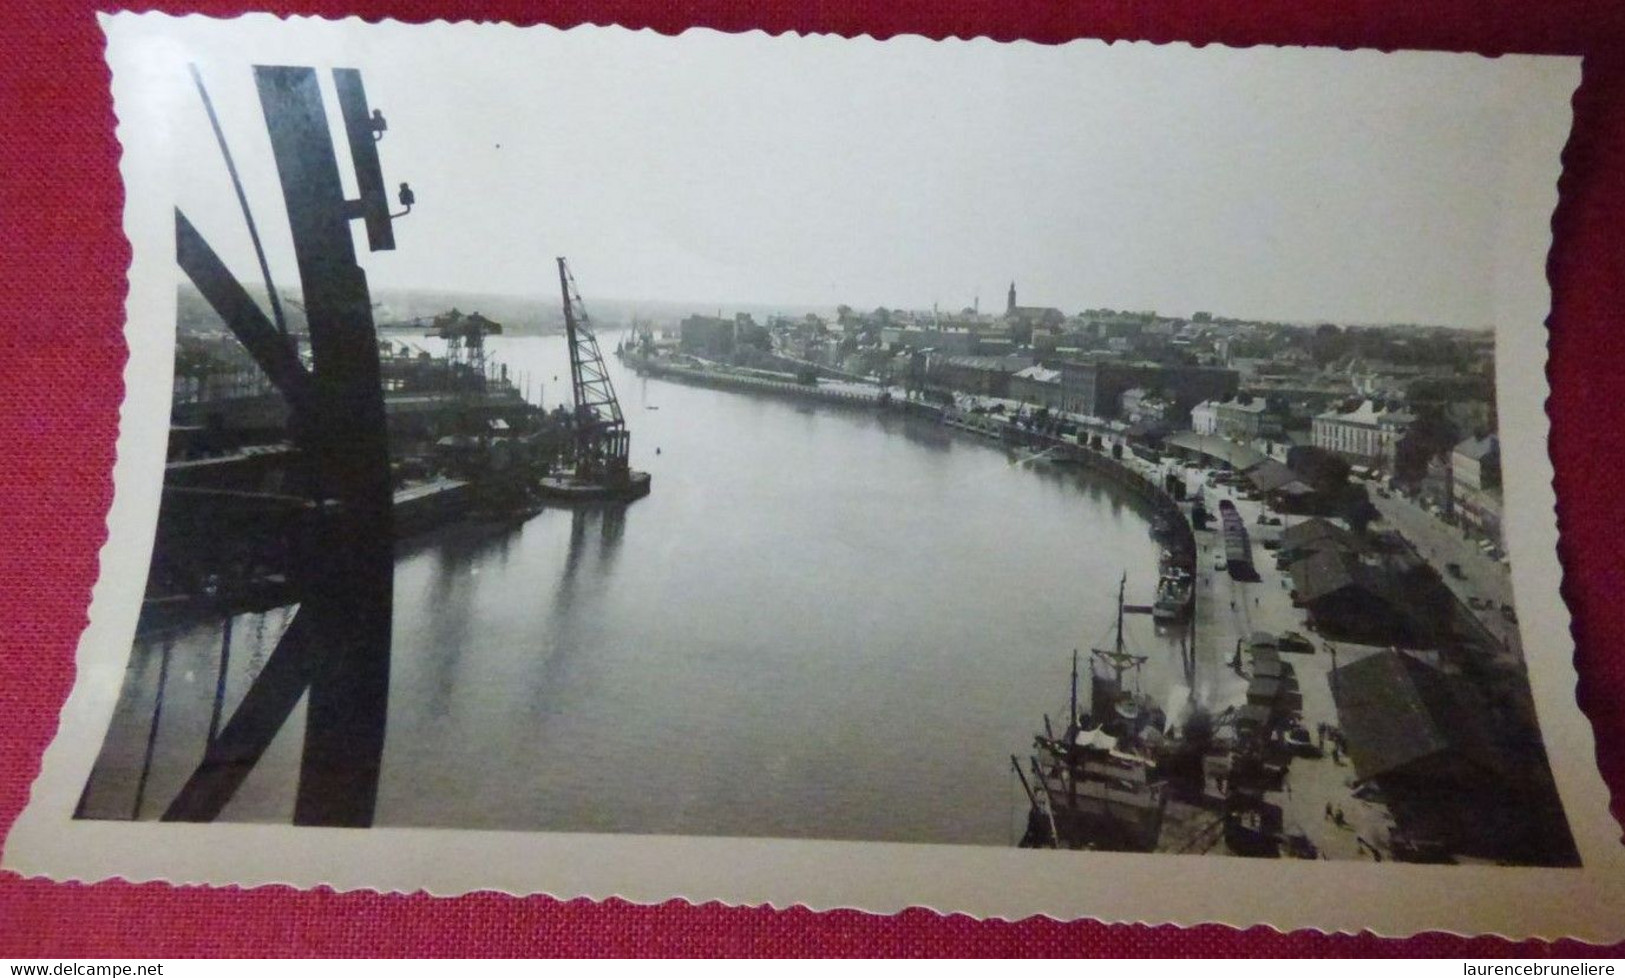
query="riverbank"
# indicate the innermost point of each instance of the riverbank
(1169, 516)
(760, 381)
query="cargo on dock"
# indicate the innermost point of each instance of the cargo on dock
(1238, 548)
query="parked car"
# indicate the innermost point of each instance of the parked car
(1509, 614)
(1454, 570)
(1219, 563)
(1299, 742)
(1294, 642)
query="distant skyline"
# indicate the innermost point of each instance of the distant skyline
(421, 301)
(712, 306)
(716, 169)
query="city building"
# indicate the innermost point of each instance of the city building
(1411, 726)
(943, 340)
(1213, 451)
(1285, 489)
(1096, 386)
(1475, 484)
(1205, 418)
(1351, 595)
(706, 336)
(1245, 418)
(1037, 385)
(1143, 406)
(987, 376)
(1366, 435)
(1314, 535)
(1031, 317)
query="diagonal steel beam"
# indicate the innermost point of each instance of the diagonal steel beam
(265, 708)
(269, 348)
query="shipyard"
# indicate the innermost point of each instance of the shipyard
(528, 554)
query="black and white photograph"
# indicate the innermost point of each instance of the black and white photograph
(1020, 454)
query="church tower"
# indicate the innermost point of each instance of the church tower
(1010, 305)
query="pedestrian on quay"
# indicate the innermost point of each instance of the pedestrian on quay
(1328, 811)
(1338, 819)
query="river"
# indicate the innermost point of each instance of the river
(822, 623)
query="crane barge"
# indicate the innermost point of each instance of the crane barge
(598, 464)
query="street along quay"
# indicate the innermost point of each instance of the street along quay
(1317, 739)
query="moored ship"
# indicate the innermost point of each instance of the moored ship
(1096, 785)
(1175, 589)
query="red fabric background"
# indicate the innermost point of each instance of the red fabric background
(62, 261)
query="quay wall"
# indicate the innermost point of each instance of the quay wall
(747, 382)
(1181, 539)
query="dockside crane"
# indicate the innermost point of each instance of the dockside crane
(600, 443)
(465, 335)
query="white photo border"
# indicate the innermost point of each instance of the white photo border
(1389, 898)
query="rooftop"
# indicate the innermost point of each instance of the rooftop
(1003, 364)
(1272, 476)
(1328, 570)
(1043, 375)
(1223, 449)
(1368, 415)
(1397, 710)
(1318, 533)
(1479, 448)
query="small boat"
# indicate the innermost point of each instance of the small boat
(1173, 601)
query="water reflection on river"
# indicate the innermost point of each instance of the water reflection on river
(822, 623)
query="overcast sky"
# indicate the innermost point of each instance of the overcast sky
(1269, 183)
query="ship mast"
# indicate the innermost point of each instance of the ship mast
(1072, 717)
(1122, 583)
(1118, 658)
